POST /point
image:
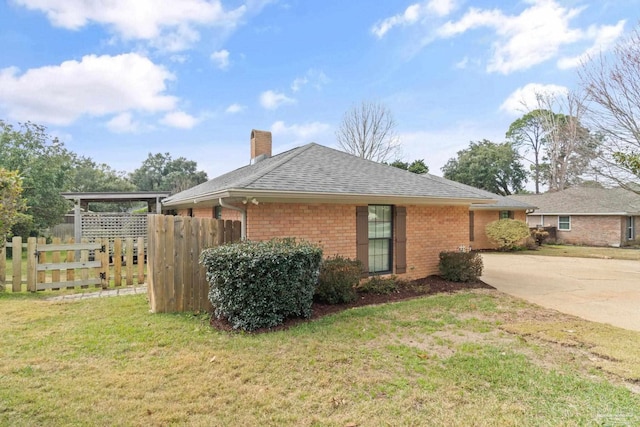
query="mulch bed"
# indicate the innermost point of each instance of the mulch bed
(426, 286)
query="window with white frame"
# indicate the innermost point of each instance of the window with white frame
(564, 223)
(631, 228)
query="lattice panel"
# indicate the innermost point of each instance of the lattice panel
(112, 225)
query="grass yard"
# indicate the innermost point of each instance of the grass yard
(586, 252)
(471, 358)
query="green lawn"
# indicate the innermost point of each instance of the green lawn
(586, 252)
(471, 358)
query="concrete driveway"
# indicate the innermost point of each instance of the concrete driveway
(601, 290)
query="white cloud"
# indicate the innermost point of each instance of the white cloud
(603, 37)
(540, 32)
(235, 108)
(413, 14)
(299, 132)
(179, 119)
(221, 58)
(95, 86)
(123, 123)
(169, 24)
(315, 78)
(441, 7)
(271, 100)
(526, 98)
(524, 40)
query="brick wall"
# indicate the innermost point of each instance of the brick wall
(333, 227)
(592, 230)
(431, 230)
(484, 217)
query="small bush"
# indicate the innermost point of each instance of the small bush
(259, 284)
(379, 285)
(460, 266)
(337, 280)
(539, 236)
(507, 233)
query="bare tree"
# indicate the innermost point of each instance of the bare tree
(368, 131)
(612, 83)
(569, 147)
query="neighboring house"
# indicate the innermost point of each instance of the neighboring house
(482, 214)
(586, 215)
(394, 221)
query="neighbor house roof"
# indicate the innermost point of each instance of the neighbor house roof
(502, 203)
(584, 201)
(315, 172)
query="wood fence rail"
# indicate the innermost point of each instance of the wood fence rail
(177, 282)
(64, 265)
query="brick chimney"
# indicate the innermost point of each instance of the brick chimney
(260, 145)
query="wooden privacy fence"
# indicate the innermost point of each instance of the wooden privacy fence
(177, 282)
(39, 266)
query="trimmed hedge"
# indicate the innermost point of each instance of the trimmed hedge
(507, 233)
(337, 281)
(259, 284)
(460, 266)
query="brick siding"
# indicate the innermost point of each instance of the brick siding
(590, 230)
(430, 229)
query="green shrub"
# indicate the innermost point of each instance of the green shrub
(460, 266)
(259, 284)
(507, 233)
(379, 285)
(337, 280)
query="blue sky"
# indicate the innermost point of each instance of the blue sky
(118, 79)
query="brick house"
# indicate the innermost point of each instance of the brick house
(394, 221)
(587, 216)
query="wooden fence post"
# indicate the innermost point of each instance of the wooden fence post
(16, 263)
(42, 258)
(129, 258)
(32, 264)
(104, 259)
(55, 258)
(117, 261)
(141, 260)
(71, 257)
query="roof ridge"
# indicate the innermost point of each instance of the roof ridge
(287, 156)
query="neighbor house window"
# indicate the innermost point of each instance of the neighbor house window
(471, 225)
(380, 238)
(564, 223)
(506, 214)
(217, 212)
(631, 228)
(190, 212)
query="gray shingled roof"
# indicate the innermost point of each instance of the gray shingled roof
(505, 203)
(315, 169)
(585, 200)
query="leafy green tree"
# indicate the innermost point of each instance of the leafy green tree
(44, 165)
(89, 176)
(159, 172)
(11, 202)
(489, 166)
(417, 166)
(529, 132)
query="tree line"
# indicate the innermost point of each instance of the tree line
(41, 167)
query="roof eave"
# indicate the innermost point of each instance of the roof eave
(315, 197)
